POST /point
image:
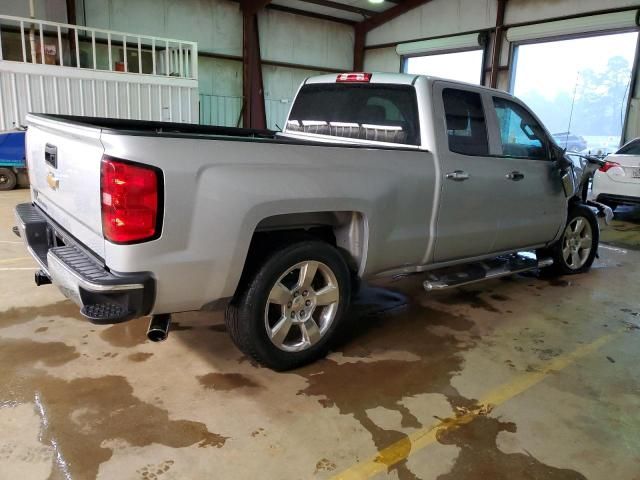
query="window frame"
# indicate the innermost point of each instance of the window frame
(513, 57)
(404, 61)
(546, 140)
(487, 124)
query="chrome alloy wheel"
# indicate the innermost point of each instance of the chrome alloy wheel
(577, 242)
(302, 305)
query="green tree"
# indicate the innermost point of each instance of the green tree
(601, 98)
(598, 106)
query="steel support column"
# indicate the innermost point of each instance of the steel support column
(358, 48)
(497, 44)
(72, 18)
(253, 109)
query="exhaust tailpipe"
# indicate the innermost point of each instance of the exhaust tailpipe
(42, 278)
(159, 327)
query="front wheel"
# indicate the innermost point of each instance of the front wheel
(578, 245)
(288, 311)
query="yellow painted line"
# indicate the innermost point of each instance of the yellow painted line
(16, 259)
(422, 438)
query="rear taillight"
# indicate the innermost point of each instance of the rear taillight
(130, 196)
(608, 165)
(354, 77)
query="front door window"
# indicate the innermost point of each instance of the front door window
(520, 134)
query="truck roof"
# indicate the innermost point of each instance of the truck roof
(389, 78)
(376, 77)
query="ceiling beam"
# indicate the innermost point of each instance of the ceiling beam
(391, 13)
(341, 6)
(362, 28)
(250, 7)
(304, 13)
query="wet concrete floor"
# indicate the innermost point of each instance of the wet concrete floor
(511, 379)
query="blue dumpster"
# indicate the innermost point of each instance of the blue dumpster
(12, 158)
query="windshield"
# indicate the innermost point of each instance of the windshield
(378, 112)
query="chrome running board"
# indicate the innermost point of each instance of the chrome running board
(460, 275)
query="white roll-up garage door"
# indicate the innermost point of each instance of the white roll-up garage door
(437, 45)
(593, 23)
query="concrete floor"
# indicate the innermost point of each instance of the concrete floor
(510, 379)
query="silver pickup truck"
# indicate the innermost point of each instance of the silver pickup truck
(373, 174)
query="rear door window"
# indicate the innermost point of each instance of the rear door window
(466, 125)
(378, 112)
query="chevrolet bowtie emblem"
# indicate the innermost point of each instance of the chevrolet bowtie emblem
(53, 181)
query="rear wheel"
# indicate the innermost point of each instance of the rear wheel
(8, 179)
(578, 245)
(290, 308)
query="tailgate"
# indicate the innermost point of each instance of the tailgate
(64, 170)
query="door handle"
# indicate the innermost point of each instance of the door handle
(515, 176)
(457, 176)
(51, 155)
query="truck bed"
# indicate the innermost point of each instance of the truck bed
(203, 132)
(164, 129)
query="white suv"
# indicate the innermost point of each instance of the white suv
(618, 180)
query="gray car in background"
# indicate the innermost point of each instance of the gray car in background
(570, 142)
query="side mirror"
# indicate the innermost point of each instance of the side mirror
(558, 155)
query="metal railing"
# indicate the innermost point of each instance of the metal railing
(43, 42)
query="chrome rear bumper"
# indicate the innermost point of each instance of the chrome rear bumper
(104, 296)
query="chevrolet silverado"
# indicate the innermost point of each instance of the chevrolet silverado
(373, 174)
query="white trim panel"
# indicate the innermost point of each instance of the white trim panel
(457, 42)
(593, 23)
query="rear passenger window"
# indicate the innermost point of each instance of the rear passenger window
(466, 127)
(520, 133)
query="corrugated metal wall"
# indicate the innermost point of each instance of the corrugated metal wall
(51, 89)
(220, 110)
(52, 10)
(227, 111)
(217, 27)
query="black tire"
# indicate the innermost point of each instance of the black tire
(562, 266)
(246, 315)
(8, 179)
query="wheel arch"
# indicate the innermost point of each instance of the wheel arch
(346, 230)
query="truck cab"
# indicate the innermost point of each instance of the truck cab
(499, 182)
